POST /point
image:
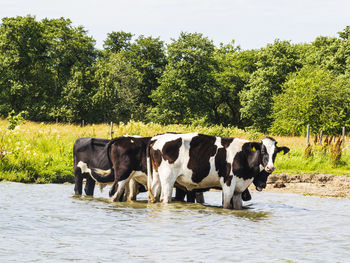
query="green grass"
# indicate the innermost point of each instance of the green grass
(42, 153)
(296, 163)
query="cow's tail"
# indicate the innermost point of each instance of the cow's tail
(109, 145)
(149, 173)
(104, 177)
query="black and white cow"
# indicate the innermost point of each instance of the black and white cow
(90, 154)
(127, 155)
(128, 158)
(197, 161)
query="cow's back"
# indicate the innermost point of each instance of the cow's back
(90, 151)
(190, 157)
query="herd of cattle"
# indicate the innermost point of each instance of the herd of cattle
(190, 162)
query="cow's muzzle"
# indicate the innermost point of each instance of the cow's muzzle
(269, 169)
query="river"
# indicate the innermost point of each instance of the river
(46, 223)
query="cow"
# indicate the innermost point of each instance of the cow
(90, 160)
(127, 157)
(90, 154)
(198, 161)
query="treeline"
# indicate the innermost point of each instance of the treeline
(52, 70)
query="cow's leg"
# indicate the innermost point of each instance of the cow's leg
(180, 194)
(89, 186)
(78, 178)
(237, 201)
(121, 178)
(133, 190)
(120, 190)
(113, 189)
(200, 198)
(191, 197)
(155, 188)
(167, 181)
(227, 193)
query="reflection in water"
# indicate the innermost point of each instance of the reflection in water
(45, 223)
(178, 208)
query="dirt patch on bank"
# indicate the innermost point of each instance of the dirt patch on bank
(309, 184)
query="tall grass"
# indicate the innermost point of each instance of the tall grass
(43, 153)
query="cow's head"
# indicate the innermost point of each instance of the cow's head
(264, 156)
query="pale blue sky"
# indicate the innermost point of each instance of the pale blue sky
(251, 23)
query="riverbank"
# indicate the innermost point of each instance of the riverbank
(325, 185)
(43, 152)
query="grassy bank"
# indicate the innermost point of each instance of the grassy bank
(42, 153)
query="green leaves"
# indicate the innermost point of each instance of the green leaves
(312, 96)
(187, 87)
(36, 63)
(274, 63)
(117, 95)
(53, 70)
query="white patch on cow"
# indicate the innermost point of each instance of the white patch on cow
(270, 147)
(164, 138)
(84, 167)
(261, 167)
(169, 173)
(227, 192)
(234, 148)
(140, 178)
(242, 184)
(218, 143)
(149, 179)
(155, 188)
(135, 136)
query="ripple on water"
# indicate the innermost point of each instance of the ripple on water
(46, 223)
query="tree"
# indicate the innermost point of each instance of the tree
(36, 62)
(233, 72)
(24, 76)
(76, 101)
(331, 53)
(147, 55)
(312, 96)
(187, 87)
(70, 58)
(274, 64)
(116, 97)
(117, 41)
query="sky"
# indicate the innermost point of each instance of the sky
(252, 24)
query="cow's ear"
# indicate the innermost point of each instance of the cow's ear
(251, 147)
(255, 146)
(284, 149)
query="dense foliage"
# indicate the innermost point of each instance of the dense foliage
(52, 70)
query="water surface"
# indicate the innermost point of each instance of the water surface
(46, 223)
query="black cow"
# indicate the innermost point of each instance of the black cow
(197, 161)
(90, 154)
